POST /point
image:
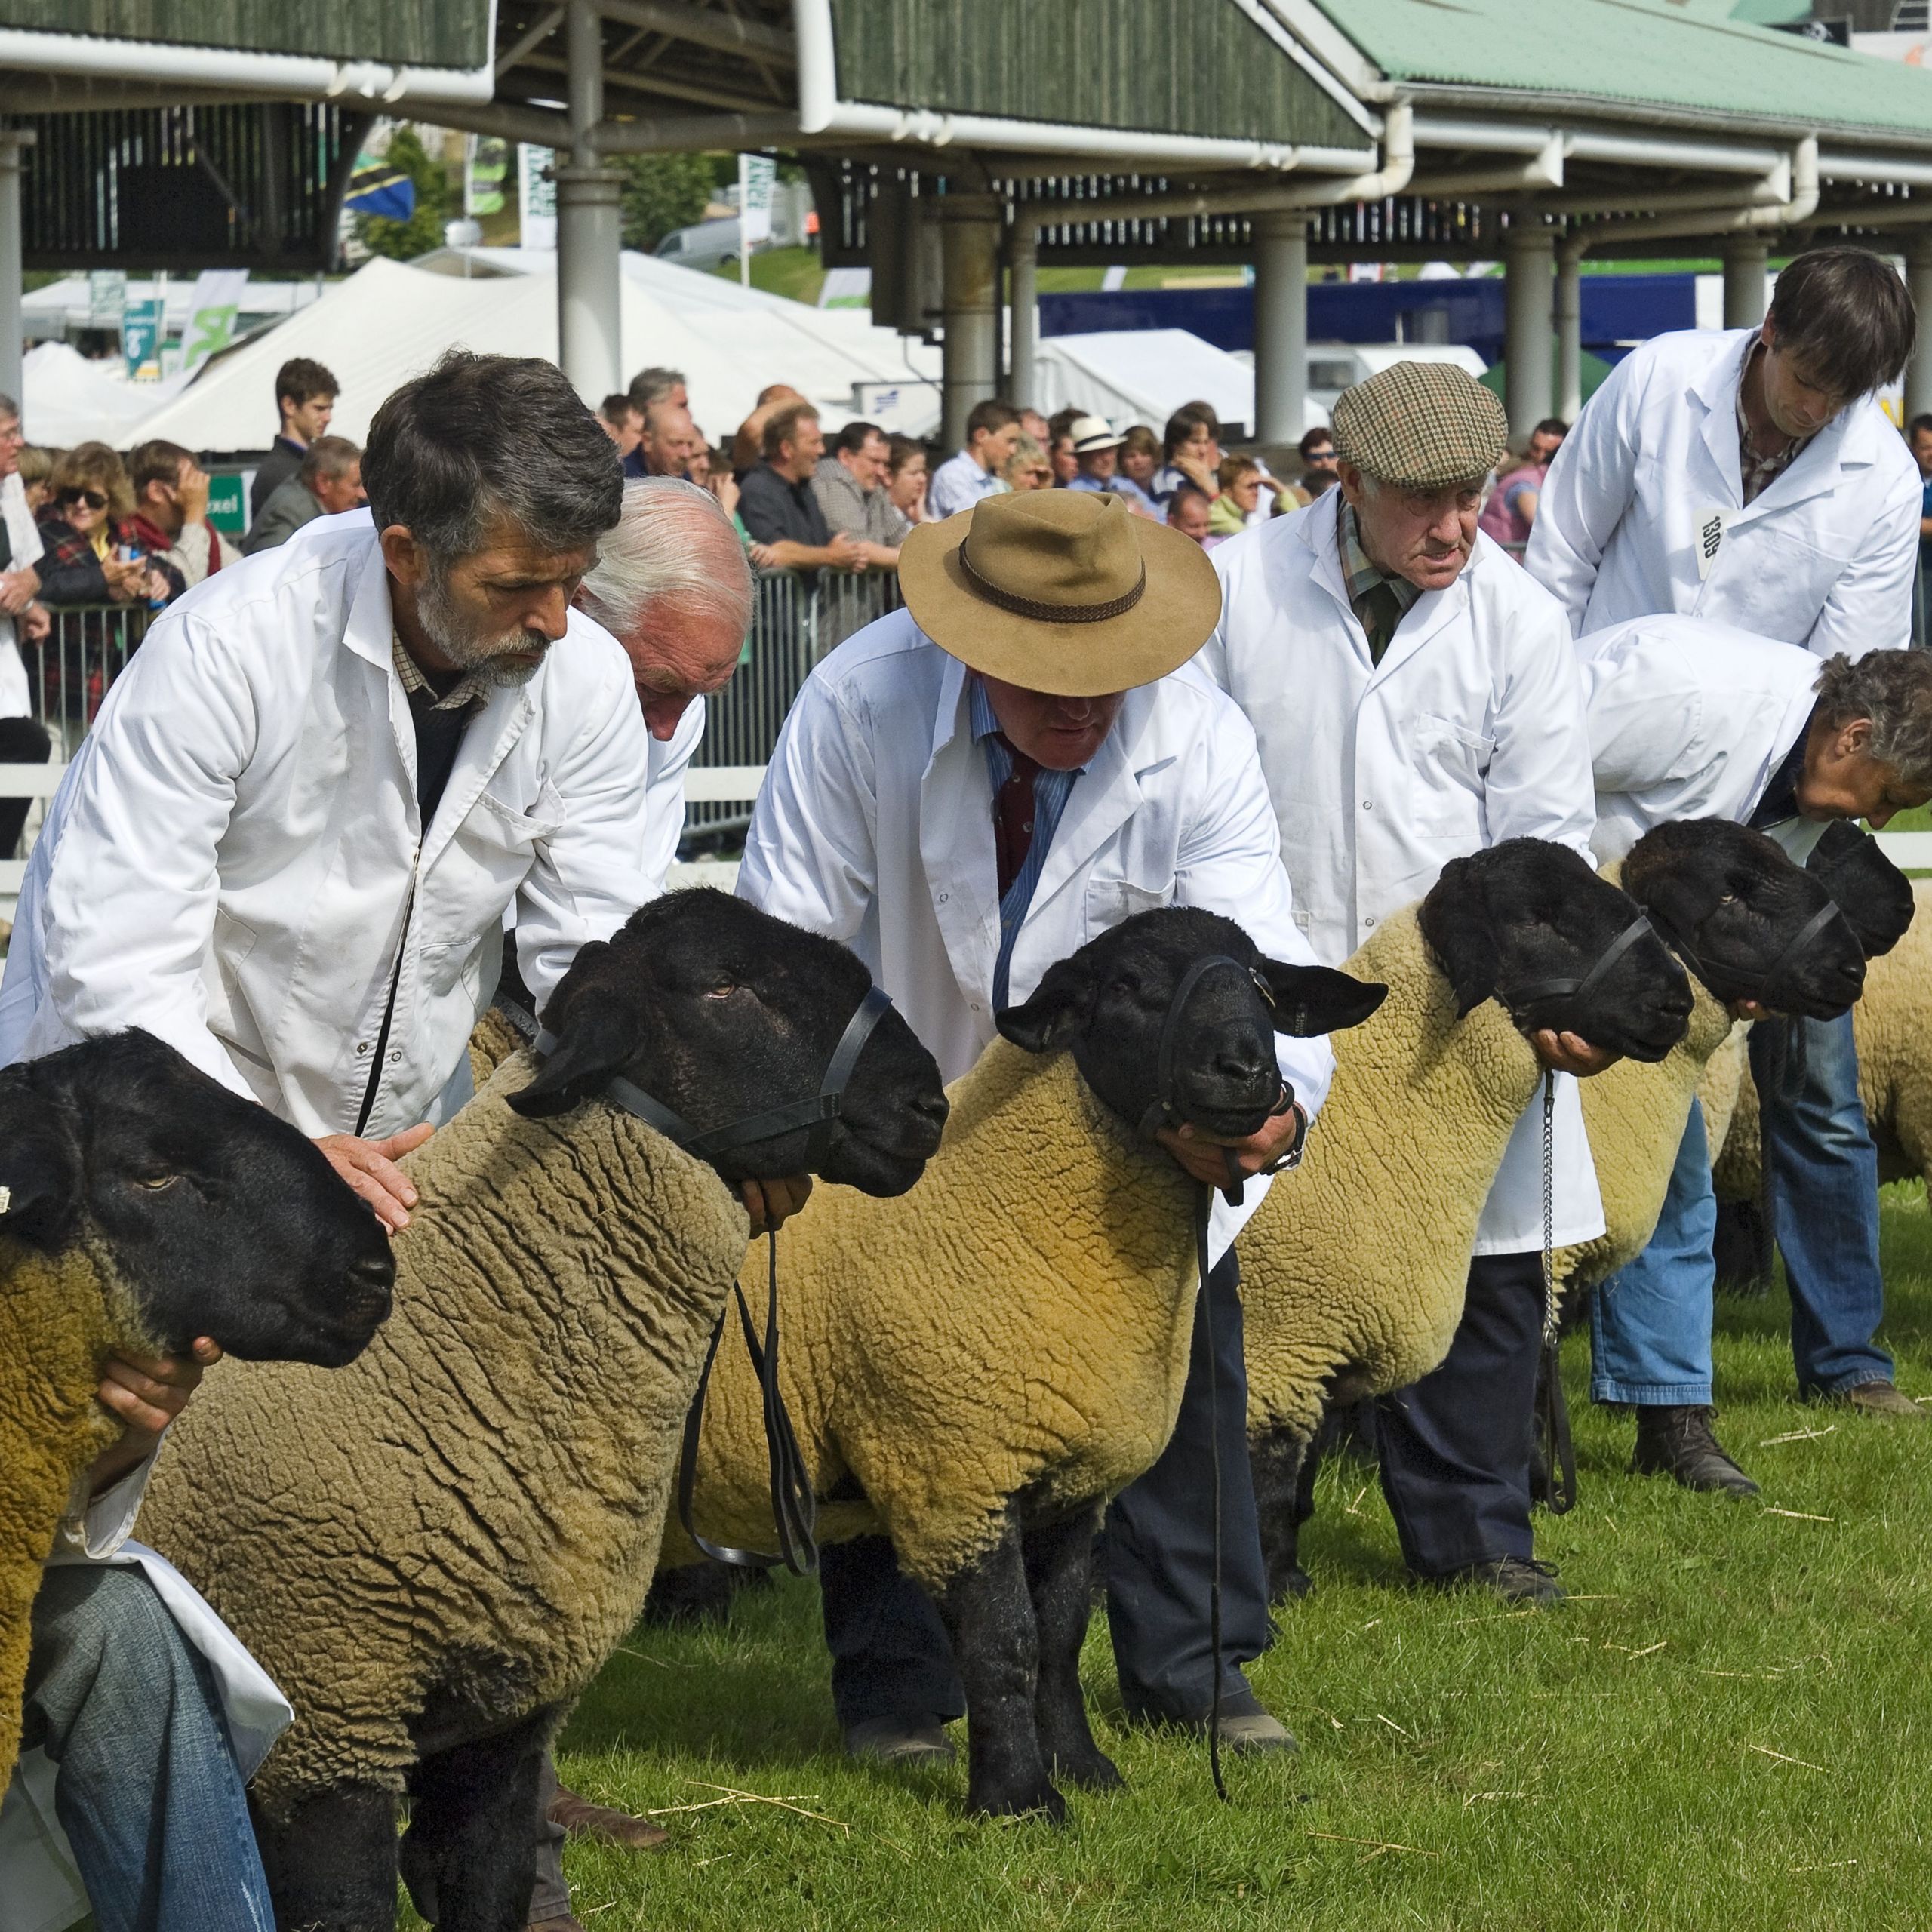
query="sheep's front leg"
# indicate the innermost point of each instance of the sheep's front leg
(473, 1825)
(1059, 1579)
(988, 1615)
(331, 1863)
(1284, 1499)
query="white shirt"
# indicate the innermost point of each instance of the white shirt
(1470, 731)
(16, 698)
(958, 484)
(235, 861)
(1643, 511)
(1691, 719)
(874, 826)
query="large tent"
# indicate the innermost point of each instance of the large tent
(388, 322)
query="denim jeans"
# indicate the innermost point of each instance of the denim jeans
(1824, 1175)
(146, 1786)
(1650, 1322)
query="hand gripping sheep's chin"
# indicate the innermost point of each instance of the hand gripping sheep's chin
(145, 1205)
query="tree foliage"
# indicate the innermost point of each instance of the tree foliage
(662, 192)
(435, 204)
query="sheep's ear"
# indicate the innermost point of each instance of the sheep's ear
(40, 1165)
(1056, 1015)
(1875, 897)
(1316, 999)
(600, 1034)
(1456, 926)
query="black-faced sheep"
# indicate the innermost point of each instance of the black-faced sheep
(1425, 1100)
(434, 1553)
(975, 1370)
(142, 1205)
(1737, 907)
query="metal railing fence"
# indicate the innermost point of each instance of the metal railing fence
(69, 670)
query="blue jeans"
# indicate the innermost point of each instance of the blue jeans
(1824, 1175)
(1650, 1322)
(146, 1787)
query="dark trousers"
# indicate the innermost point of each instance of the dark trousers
(22, 741)
(1455, 1446)
(890, 1654)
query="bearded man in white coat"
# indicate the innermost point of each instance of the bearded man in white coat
(1692, 719)
(1415, 698)
(287, 848)
(965, 792)
(1751, 479)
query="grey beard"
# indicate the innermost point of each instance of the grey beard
(484, 658)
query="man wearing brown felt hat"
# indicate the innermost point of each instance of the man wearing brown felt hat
(966, 792)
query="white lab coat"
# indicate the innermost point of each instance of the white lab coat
(1823, 558)
(1691, 719)
(23, 542)
(1470, 731)
(234, 859)
(874, 827)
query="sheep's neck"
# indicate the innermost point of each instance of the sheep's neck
(54, 1331)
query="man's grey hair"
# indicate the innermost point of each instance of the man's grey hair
(332, 457)
(1894, 689)
(672, 549)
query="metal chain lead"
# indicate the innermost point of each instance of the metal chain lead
(1552, 1307)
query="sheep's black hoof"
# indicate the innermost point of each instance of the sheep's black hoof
(1040, 1802)
(1289, 1583)
(1092, 1770)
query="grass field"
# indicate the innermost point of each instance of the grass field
(1728, 1726)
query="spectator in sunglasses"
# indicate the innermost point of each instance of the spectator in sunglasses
(92, 554)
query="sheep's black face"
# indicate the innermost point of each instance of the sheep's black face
(1875, 896)
(1109, 1003)
(721, 1012)
(1501, 920)
(1738, 904)
(221, 1220)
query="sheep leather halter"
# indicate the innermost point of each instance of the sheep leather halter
(794, 1508)
(1800, 942)
(1559, 989)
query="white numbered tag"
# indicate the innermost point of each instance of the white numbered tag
(1710, 540)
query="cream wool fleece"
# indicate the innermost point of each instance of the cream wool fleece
(1353, 1269)
(60, 1316)
(467, 1515)
(1018, 1324)
(1894, 1038)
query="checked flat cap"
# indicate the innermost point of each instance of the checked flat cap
(1420, 425)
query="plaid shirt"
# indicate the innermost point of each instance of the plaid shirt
(1757, 473)
(470, 690)
(1379, 601)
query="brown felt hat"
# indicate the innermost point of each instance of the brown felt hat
(1064, 591)
(1420, 425)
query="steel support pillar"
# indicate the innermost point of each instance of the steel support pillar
(1528, 379)
(1744, 259)
(969, 236)
(1569, 331)
(11, 142)
(1918, 283)
(589, 228)
(1280, 328)
(1024, 330)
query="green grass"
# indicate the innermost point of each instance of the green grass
(1609, 1764)
(795, 273)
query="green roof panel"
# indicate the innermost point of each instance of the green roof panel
(429, 33)
(1648, 53)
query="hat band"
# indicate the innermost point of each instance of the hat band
(1052, 613)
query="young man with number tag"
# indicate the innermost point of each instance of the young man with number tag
(1750, 477)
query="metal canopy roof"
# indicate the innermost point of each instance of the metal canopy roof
(437, 33)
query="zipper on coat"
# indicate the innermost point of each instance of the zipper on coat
(389, 1010)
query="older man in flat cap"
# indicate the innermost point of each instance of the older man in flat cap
(966, 792)
(1415, 697)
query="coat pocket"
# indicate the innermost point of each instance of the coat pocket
(1448, 772)
(1111, 902)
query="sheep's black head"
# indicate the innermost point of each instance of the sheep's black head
(219, 1219)
(1110, 1004)
(721, 1011)
(1875, 896)
(1500, 922)
(1740, 906)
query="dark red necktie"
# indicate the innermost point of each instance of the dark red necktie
(1013, 817)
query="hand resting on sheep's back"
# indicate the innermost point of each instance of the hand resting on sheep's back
(974, 1370)
(434, 1556)
(1425, 1102)
(146, 1211)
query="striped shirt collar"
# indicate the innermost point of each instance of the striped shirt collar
(1756, 473)
(470, 690)
(1360, 575)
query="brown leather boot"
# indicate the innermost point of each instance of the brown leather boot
(581, 1818)
(1677, 1441)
